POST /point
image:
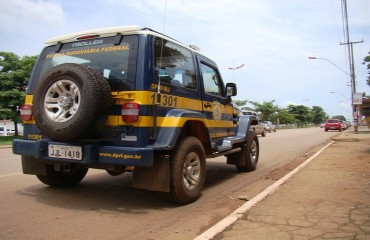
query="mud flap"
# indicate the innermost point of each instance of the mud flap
(31, 166)
(155, 178)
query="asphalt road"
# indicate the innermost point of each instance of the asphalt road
(106, 207)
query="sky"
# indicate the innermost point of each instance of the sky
(273, 39)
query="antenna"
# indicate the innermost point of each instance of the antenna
(160, 59)
(164, 15)
(159, 78)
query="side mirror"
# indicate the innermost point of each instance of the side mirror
(231, 89)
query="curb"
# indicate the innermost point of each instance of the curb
(238, 213)
(5, 146)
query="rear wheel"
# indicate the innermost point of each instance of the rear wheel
(188, 170)
(63, 177)
(263, 133)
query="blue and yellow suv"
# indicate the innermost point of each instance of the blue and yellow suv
(130, 99)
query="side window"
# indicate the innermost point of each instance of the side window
(174, 64)
(211, 80)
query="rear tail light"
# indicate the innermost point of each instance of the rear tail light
(130, 112)
(26, 112)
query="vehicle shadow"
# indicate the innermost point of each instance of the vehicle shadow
(98, 192)
(104, 193)
(218, 172)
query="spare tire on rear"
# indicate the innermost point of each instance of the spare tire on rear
(71, 102)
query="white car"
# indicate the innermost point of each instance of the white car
(270, 126)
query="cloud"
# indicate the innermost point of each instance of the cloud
(272, 38)
(17, 15)
(25, 24)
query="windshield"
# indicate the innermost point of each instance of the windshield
(117, 63)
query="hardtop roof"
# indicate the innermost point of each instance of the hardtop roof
(112, 31)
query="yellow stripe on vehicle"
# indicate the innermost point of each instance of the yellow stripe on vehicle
(147, 121)
(150, 98)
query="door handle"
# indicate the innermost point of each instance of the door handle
(208, 105)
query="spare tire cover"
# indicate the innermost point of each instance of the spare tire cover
(70, 102)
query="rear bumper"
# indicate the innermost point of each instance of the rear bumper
(333, 127)
(92, 154)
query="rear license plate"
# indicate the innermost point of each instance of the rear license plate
(66, 152)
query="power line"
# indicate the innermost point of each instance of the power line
(349, 46)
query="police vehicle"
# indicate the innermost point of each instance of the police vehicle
(130, 99)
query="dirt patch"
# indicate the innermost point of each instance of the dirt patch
(346, 139)
(281, 172)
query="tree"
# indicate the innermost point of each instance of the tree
(318, 115)
(240, 103)
(14, 75)
(367, 60)
(299, 114)
(284, 117)
(302, 114)
(340, 117)
(266, 110)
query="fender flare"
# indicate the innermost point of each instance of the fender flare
(168, 136)
(245, 122)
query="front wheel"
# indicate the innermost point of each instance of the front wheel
(63, 177)
(188, 171)
(249, 154)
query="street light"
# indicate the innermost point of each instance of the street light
(314, 58)
(235, 68)
(341, 95)
(353, 88)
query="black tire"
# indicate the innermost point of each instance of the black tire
(248, 155)
(188, 171)
(263, 134)
(105, 92)
(70, 102)
(63, 178)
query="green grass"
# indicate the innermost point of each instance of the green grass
(6, 140)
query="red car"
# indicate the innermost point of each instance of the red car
(333, 124)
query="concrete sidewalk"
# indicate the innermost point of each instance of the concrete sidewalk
(328, 199)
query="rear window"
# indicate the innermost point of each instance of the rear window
(333, 121)
(117, 63)
(249, 113)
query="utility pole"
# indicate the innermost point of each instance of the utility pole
(352, 65)
(351, 62)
